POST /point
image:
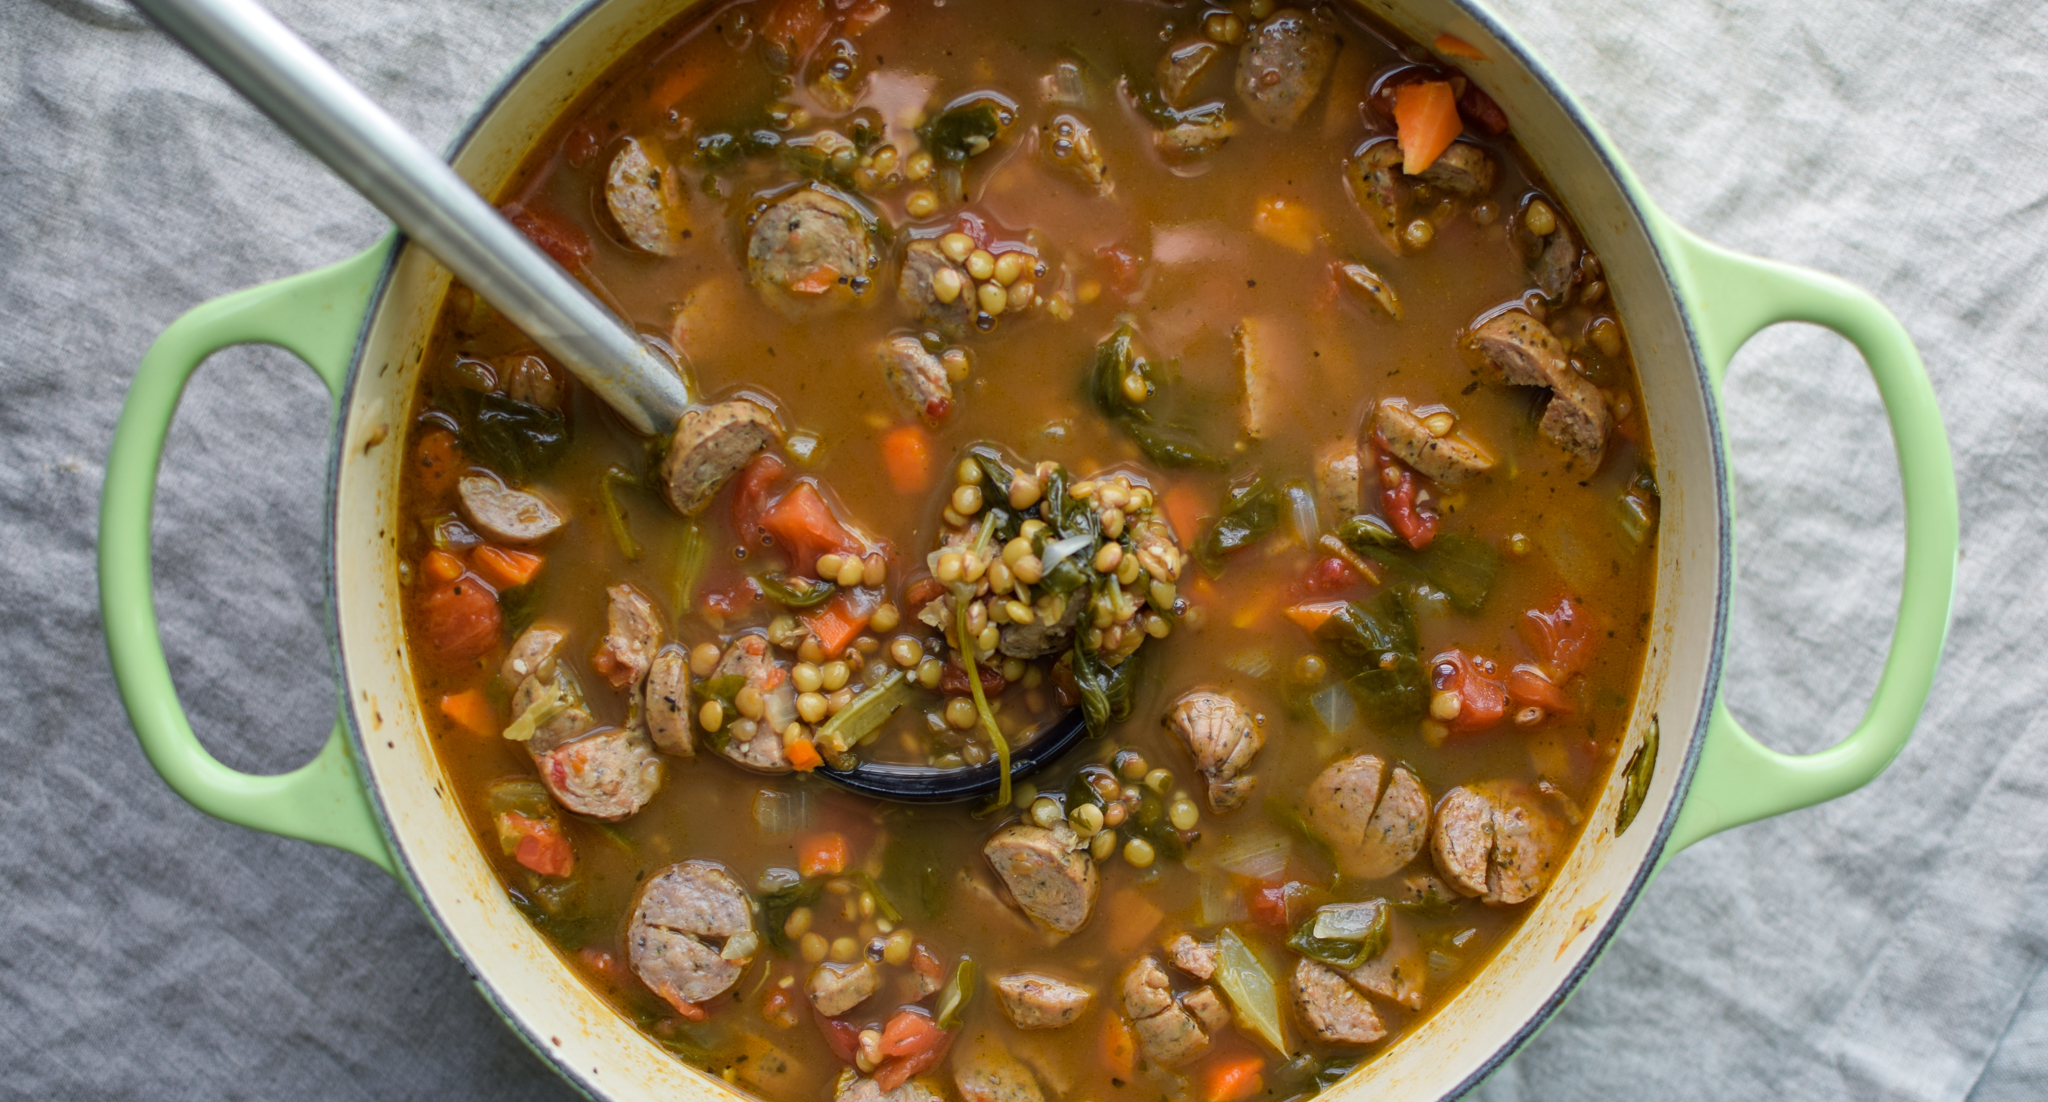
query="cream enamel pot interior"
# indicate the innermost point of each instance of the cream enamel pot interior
(377, 790)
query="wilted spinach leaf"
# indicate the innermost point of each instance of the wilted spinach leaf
(966, 130)
(516, 439)
(1250, 513)
(777, 905)
(914, 870)
(1105, 690)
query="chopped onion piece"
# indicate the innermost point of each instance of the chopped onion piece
(1301, 511)
(1259, 853)
(1059, 551)
(1221, 901)
(1334, 709)
(779, 813)
(1251, 663)
(1251, 989)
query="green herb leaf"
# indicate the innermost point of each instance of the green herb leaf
(1343, 935)
(1642, 765)
(953, 997)
(796, 592)
(1105, 690)
(1249, 514)
(1150, 823)
(777, 905)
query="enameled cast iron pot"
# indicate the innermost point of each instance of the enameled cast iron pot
(376, 790)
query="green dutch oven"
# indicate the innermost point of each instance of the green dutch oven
(1689, 770)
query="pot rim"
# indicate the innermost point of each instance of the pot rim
(1643, 213)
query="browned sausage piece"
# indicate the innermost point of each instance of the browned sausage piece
(632, 632)
(1343, 805)
(1463, 169)
(710, 445)
(1442, 458)
(757, 745)
(1331, 1008)
(1048, 872)
(1374, 177)
(1196, 958)
(1207, 1008)
(1168, 1034)
(666, 702)
(1283, 66)
(532, 655)
(1183, 68)
(645, 196)
(854, 1088)
(1222, 736)
(1496, 841)
(607, 774)
(1033, 1001)
(810, 246)
(1398, 972)
(1526, 353)
(836, 988)
(1337, 479)
(919, 286)
(1364, 281)
(532, 381)
(917, 377)
(503, 514)
(691, 932)
(983, 1072)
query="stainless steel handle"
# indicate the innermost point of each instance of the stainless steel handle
(301, 92)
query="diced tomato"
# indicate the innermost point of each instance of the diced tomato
(1528, 687)
(552, 232)
(1325, 577)
(910, 1032)
(1560, 638)
(862, 15)
(541, 845)
(843, 1038)
(749, 494)
(922, 592)
(1399, 485)
(603, 965)
(777, 1007)
(953, 681)
(1124, 267)
(733, 599)
(822, 854)
(898, 1070)
(1233, 1078)
(685, 1009)
(792, 30)
(461, 619)
(504, 567)
(1268, 905)
(437, 463)
(805, 527)
(1481, 111)
(1481, 699)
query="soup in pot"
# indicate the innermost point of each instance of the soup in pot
(1219, 381)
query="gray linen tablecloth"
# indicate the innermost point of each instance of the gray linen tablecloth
(1886, 946)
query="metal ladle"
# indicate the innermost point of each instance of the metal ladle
(332, 118)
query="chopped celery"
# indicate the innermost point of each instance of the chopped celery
(615, 513)
(868, 711)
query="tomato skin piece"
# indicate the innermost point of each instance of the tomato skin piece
(1268, 905)
(843, 1038)
(569, 246)
(1529, 688)
(909, 1033)
(749, 495)
(1399, 486)
(1560, 637)
(1482, 700)
(461, 619)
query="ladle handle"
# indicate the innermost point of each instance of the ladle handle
(336, 122)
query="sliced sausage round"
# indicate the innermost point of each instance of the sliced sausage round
(632, 633)
(645, 196)
(1196, 958)
(836, 988)
(1048, 873)
(1337, 478)
(860, 1088)
(1034, 1001)
(811, 245)
(710, 445)
(1375, 822)
(607, 774)
(503, 514)
(1222, 736)
(1527, 353)
(917, 377)
(1463, 169)
(1373, 176)
(919, 283)
(532, 655)
(1283, 66)
(1448, 461)
(1331, 1008)
(1496, 841)
(1186, 142)
(1167, 1032)
(986, 1073)
(683, 920)
(665, 701)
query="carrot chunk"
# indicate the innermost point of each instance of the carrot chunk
(835, 623)
(802, 522)
(1119, 1048)
(1310, 615)
(442, 566)
(504, 567)
(471, 711)
(907, 454)
(1457, 47)
(822, 854)
(1426, 118)
(804, 756)
(1233, 1079)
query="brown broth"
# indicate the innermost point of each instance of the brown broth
(1207, 269)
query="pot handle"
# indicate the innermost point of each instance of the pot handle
(316, 316)
(1739, 780)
